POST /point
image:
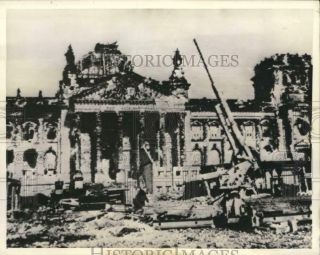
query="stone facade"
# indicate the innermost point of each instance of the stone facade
(103, 113)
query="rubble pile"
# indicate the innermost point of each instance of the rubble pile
(35, 233)
(107, 228)
(142, 235)
(39, 235)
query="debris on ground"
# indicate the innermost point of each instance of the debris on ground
(113, 228)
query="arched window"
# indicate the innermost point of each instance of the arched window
(10, 156)
(214, 156)
(30, 156)
(52, 134)
(10, 129)
(265, 127)
(29, 129)
(51, 130)
(302, 126)
(50, 161)
(196, 156)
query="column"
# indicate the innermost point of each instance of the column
(162, 127)
(142, 121)
(181, 140)
(41, 131)
(290, 123)
(13, 193)
(119, 177)
(187, 139)
(126, 158)
(65, 148)
(282, 154)
(78, 143)
(168, 154)
(75, 149)
(103, 64)
(179, 144)
(59, 166)
(140, 137)
(98, 131)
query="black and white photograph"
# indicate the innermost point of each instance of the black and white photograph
(160, 128)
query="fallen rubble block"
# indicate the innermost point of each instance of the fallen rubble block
(175, 214)
(35, 231)
(71, 237)
(91, 216)
(280, 227)
(42, 244)
(121, 231)
(74, 227)
(184, 223)
(128, 227)
(171, 195)
(69, 216)
(103, 223)
(121, 208)
(293, 225)
(115, 216)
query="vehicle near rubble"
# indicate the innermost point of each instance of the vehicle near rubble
(233, 187)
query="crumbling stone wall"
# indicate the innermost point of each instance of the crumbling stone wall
(30, 154)
(296, 77)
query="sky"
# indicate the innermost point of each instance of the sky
(38, 39)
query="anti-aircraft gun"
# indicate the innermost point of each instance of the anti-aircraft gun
(243, 161)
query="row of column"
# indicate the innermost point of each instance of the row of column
(163, 143)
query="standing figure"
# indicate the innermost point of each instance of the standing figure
(146, 166)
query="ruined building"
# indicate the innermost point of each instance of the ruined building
(104, 112)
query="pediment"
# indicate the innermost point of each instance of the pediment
(128, 87)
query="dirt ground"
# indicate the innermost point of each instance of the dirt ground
(111, 229)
